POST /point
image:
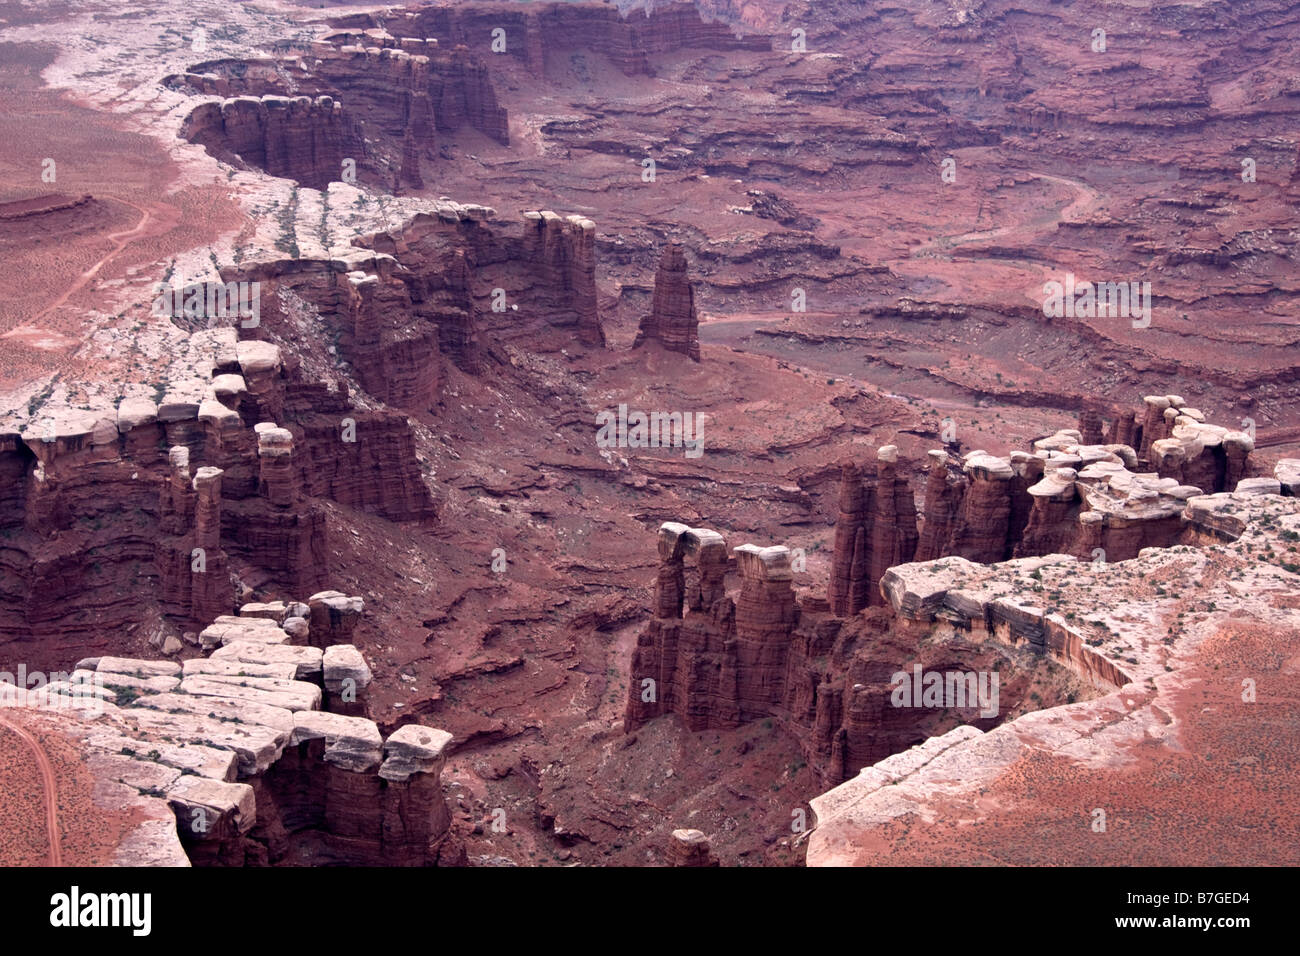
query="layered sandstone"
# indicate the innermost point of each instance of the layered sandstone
(237, 745)
(562, 251)
(828, 681)
(432, 85)
(186, 494)
(672, 321)
(822, 667)
(847, 591)
(393, 349)
(448, 280)
(399, 92)
(666, 655)
(1287, 472)
(893, 518)
(691, 848)
(983, 524)
(1123, 625)
(297, 137)
(760, 652)
(945, 487)
(333, 617)
(1174, 440)
(877, 528)
(765, 614)
(192, 565)
(533, 33)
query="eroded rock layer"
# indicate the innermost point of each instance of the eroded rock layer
(718, 659)
(216, 482)
(990, 795)
(721, 658)
(672, 321)
(376, 100)
(876, 530)
(530, 33)
(1063, 497)
(234, 503)
(299, 138)
(252, 750)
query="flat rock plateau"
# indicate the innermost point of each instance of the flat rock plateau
(333, 339)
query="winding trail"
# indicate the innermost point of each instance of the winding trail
(120, 241)
(50, 786)
(1084, 201)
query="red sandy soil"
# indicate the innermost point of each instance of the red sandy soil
(1222, 798)
(87, 834)
(57, 264)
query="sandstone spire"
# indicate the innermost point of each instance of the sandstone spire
(691, 848)
(409, 174)
(672, 321)
(876, 529)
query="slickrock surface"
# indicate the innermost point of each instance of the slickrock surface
(1198, 640)
(218, 762)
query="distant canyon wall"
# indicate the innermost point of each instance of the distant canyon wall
(366, 96)
(532, 32)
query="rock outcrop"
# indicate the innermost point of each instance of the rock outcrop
(1174, 440)
(550, 29)
(765, 614)
(666, 665)
(296, 137)
(876, 529)
(1090, 424)
(1054, 514)
(945, 487)
(1125, 627)
(982, 528)
(239, 748)
(718, 658)
(848, 588)
(691, 848)
(263, 443)
(193, 568)
(672, 321)
(562, 254)
(181, 492)
(399, 93)
(445, 281)
(409, 173)
(893, 519)
(761, 652)
(1287, 472)
(334, 616)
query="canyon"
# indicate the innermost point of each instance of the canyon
(223, 758)
(823, 229)
(717, 658)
